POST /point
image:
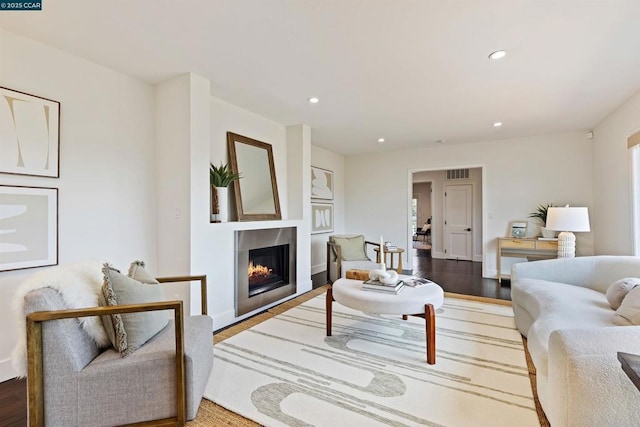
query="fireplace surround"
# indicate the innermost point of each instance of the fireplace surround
(265, 267)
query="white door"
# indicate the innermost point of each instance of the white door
(458, 217)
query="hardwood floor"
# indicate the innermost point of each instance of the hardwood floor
(13, 403)
(463, 277)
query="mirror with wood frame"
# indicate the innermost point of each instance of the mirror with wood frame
(256, 194)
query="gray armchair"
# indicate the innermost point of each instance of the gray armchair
(347, 252)
(72, 382)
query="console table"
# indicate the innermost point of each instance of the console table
(531, 249)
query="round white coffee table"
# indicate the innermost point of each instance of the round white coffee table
(423, 300)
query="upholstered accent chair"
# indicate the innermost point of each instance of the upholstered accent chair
(73, 382)
(347, 252)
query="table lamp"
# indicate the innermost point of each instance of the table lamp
(567, 220)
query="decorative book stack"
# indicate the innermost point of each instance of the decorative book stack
(378, 286)
(416, 282)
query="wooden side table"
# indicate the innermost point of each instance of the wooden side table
(392, 252)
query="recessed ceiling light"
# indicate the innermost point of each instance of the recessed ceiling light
(381, 140)
(498, 54)
(497, 124)
(314, 100)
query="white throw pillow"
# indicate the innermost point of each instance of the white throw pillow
(351, 248)
(629, 311)
(619, 289)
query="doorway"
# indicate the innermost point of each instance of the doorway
(421, 208)
(464, 210)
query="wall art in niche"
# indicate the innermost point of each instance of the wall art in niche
(322, 218)
(321, 183)
(29, 134)
(28, 227)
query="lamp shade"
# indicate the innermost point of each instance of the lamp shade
(568, 219)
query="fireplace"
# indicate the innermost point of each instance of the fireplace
(265, 267)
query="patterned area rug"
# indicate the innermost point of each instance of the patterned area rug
(286, 372)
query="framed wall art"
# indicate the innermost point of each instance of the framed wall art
(519, 229)
(322, 218)
(29, 134)
(28, 227)
(321, 183)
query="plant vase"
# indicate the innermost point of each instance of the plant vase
(222, 196)
(546, 233)
(213, 214)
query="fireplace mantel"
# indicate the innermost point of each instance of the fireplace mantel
(255, 225)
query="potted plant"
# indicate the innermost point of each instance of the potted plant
(541, 214)
(220, 177)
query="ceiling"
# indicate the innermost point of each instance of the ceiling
(409, 71)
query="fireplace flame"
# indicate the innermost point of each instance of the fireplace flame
(258, 272)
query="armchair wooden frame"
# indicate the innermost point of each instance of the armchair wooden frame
(338, 251)
(35, 354)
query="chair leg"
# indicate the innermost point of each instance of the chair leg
(328, 309)
(430, 324)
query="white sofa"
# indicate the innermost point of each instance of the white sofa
(561, 307)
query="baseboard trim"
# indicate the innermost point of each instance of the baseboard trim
(319, 279)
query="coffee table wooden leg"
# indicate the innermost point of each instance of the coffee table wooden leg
(328, 308)
(430, 322)
(405, 317)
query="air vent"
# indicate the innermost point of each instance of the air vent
(457, 174)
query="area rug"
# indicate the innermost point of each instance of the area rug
(372, 371)
(421, 245)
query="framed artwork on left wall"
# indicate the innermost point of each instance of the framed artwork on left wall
(29, 134)
(28, 227)
(322, 218)
(321, 183)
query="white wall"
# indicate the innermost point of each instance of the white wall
(107, 163)
(611, 218)
(325, 159)
(519, 174)
(226, 117)
(212, 245)
(173, 117)
(183, 134)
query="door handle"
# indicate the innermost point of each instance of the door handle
(467, 229)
